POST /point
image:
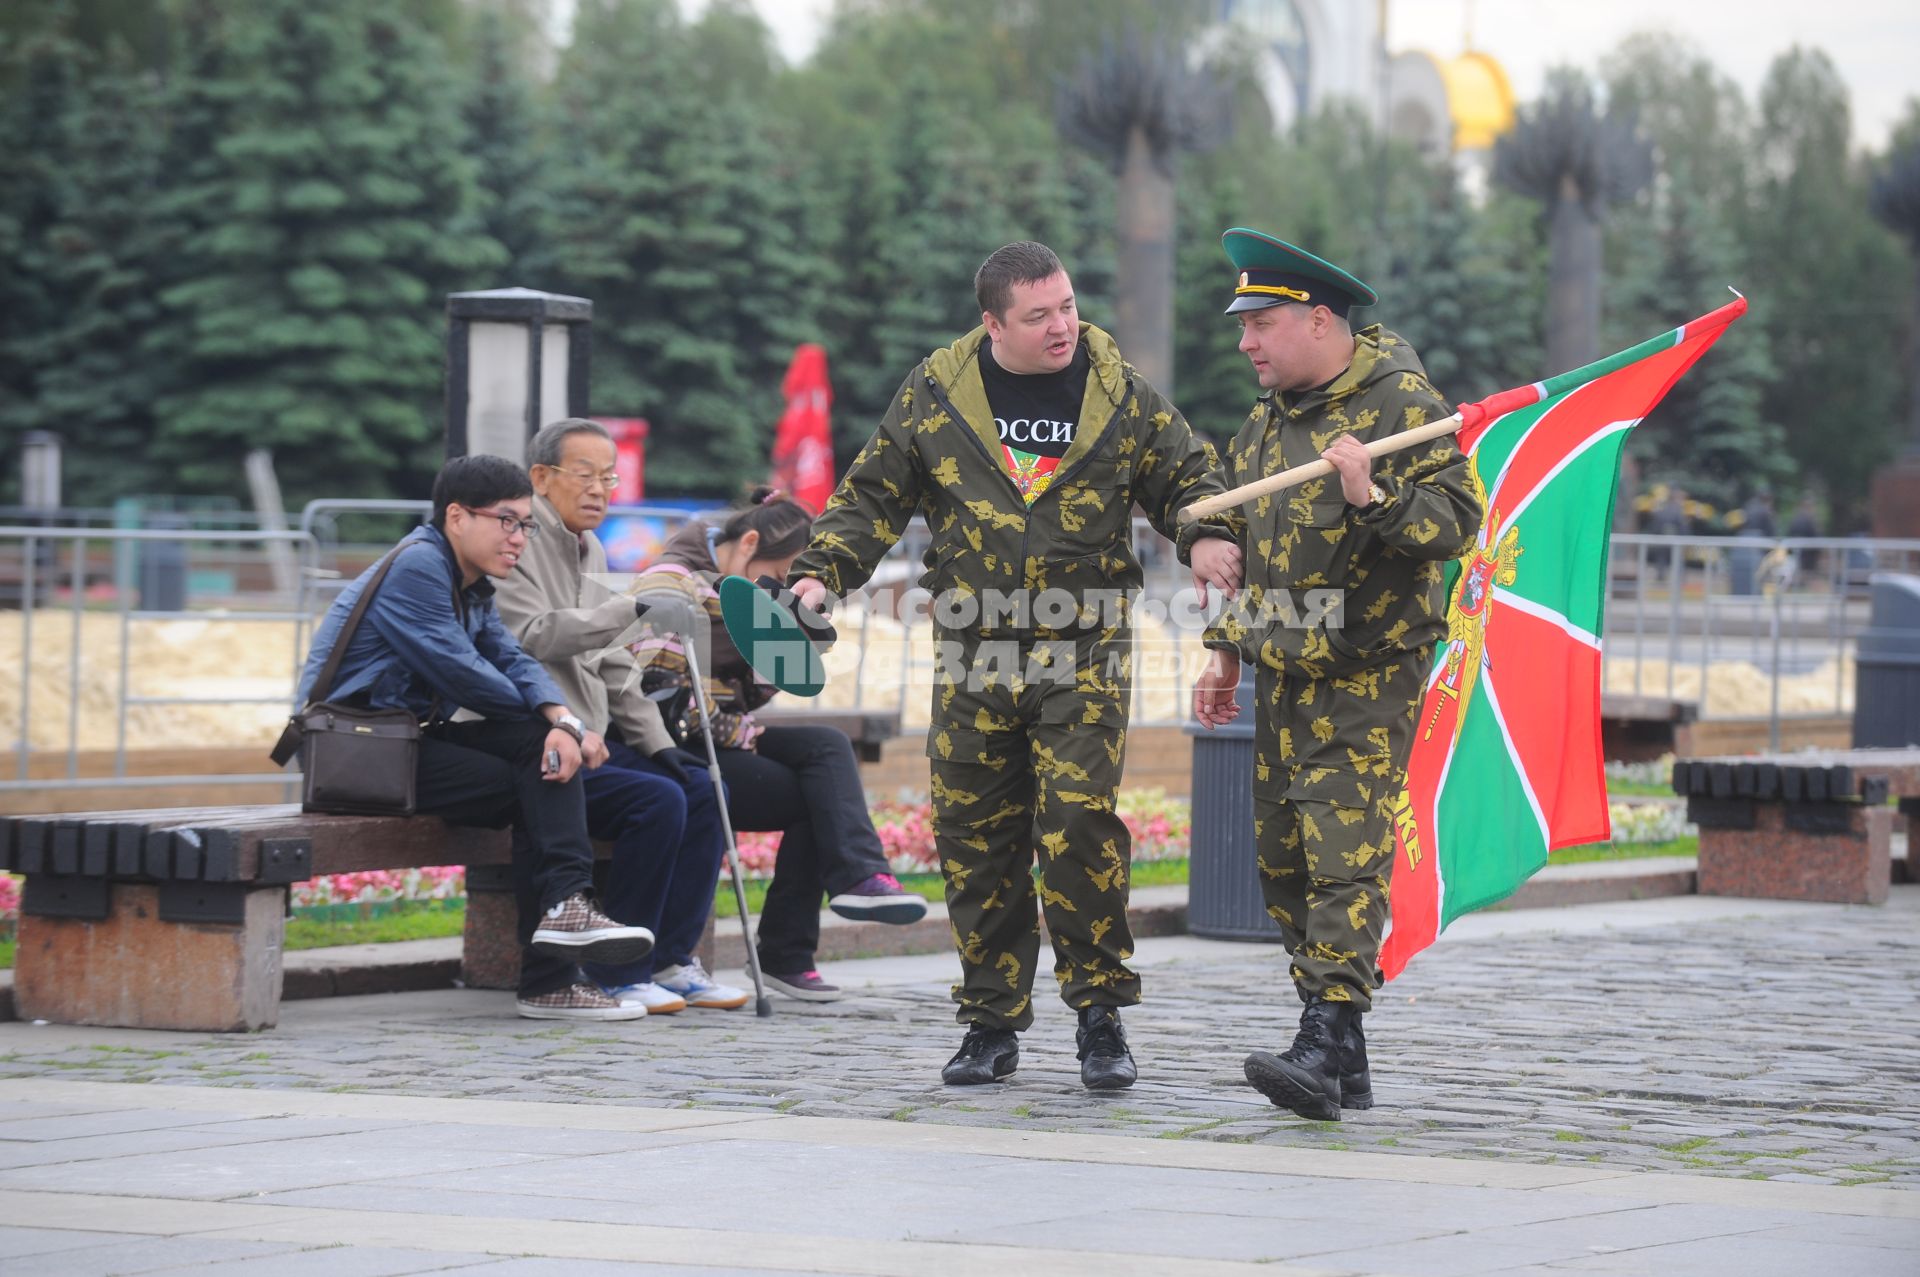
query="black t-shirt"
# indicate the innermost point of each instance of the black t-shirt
(1035, 413)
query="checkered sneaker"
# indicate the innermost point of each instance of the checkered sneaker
(578, 1002)
(575, 929)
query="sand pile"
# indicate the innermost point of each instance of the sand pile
(1166, 661)
(197, 657)
(1739, 688)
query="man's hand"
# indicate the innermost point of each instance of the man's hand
(1213, 693)
(1216, 562)
(1348, 456)
(593, 750)
(811, 592)
(561, 742)
(681, 764)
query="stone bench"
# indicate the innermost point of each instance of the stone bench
(174, 918)
(1638, 728)
(868, 729)
(1809, 826)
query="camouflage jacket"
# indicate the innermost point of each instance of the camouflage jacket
(937, 451)
(1385, 560)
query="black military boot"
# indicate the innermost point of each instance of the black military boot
(1356, 1083)
(1105, 1062)
(1305, 1077)
(985, 1055)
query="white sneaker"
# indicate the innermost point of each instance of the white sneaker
(698, 988)
(656, 1000)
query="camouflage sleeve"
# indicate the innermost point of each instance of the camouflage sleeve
(1239, 468)
(1431, 510)
(870, 509)
(1172, 469)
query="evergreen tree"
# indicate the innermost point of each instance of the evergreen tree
(80, 130)
(1462, 286)
(321, 209)
(1217, 385)
(84, 375)
(679, 213)
(1895, 202)
(499, 112)
(1833, 320)
(1710, 433)
(1675, 250)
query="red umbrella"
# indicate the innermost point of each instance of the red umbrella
(803, 445)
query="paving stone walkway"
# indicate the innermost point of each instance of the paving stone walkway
(1669, 1035)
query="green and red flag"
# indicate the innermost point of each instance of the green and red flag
(1506, 763)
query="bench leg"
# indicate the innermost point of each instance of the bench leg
(490, 948)
(134, 969)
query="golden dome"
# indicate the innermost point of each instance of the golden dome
(1478, 97)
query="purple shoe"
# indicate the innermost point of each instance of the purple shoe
(879, 899)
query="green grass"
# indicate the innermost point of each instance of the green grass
(1639, 788)
(1689, 846)
(417, 924)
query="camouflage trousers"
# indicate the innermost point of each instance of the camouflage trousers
(1329, 763)
(1026, 746)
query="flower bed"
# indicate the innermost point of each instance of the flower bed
(1162, 828)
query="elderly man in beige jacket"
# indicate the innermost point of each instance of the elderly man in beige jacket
(653, 801)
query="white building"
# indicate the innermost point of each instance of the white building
(1309, 54)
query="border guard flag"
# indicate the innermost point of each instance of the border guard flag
(1506, 763)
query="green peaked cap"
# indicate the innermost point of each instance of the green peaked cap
(1273, 271)
(770, 638)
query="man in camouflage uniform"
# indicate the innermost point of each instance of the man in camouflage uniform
(1343, 604)
(1026, 445)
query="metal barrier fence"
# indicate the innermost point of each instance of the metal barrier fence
(22, 560)
(1700, 619)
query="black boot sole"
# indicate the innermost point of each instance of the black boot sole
(1269, 1075)
(1355, 1099)
(1108, 1082)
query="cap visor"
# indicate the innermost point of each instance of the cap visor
(1252, 303)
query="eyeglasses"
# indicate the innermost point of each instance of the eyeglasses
(607, 479)
(510, 523)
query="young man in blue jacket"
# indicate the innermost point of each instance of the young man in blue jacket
(432, 642)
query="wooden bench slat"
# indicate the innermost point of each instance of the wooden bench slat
(30, 855)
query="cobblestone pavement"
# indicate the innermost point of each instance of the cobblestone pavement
(1784, 1046)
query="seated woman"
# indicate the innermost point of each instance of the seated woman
(800, 780)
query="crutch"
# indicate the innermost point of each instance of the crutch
(762, 1005)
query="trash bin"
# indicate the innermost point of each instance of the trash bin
(1743, 569)
(1223, 878)
(1886, 677)
(163, 568)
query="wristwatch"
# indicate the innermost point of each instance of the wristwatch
(572, 727)
(1376, 495)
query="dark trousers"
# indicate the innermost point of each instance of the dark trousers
(667, 848)
(804, 782)
(487, 773)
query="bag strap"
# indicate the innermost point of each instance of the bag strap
(323, 684)
(289, 742)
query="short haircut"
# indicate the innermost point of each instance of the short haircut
(547, 446)
(1023, 263)
(477, 482)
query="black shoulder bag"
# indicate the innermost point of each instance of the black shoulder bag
(357, 761)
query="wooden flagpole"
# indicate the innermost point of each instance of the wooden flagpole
(1314, 469)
